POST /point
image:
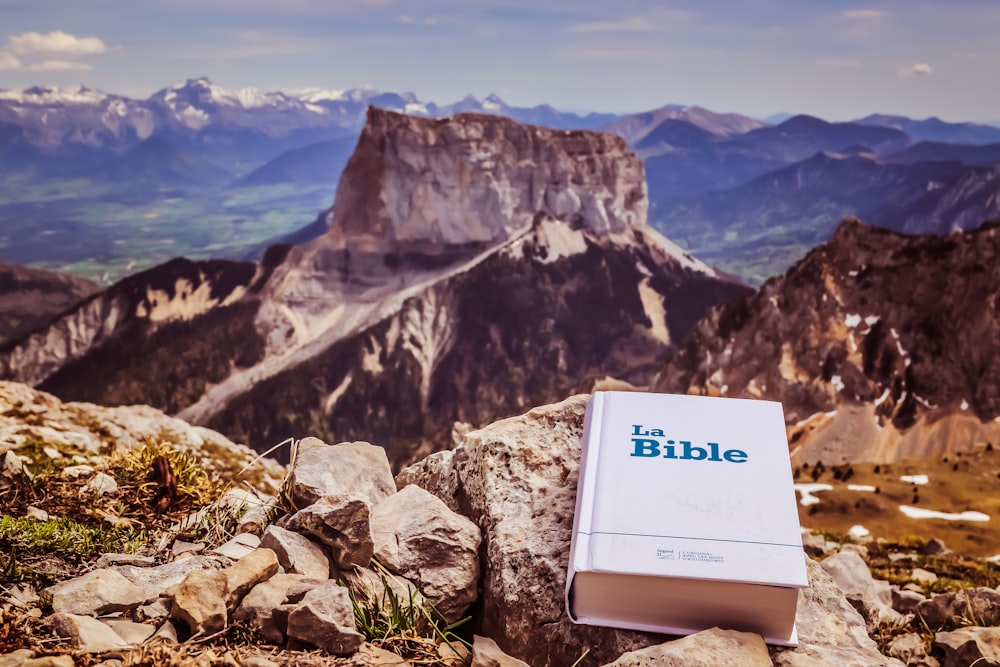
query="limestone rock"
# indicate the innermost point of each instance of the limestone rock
(321, 470)
(97, 592)
(343, 523)
(970, 646)
(296, 553)
(516, 479)
(166, 634)
(708, 648)
(978, 606)
(246, 573)
(16, 658)
(906, 601)
(131, 633)
(162, 580)
(325, 618)
(99, 485)
(200, 602)
(368, 584)
(852, 575)
(372, 656)
(238, 546)
(486, 653)
(831, 631)
(417, 536)
(908, 648)
(259, 605)
(87, 634)
(50, 661)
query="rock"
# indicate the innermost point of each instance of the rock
(163, 580)
(486, 653)
(814, 544)
(906, 601)
(908, 648)
(182, 548)
(97, 592)
(296, 553)
(325, 618)
(372, 656)
(35, 513)
(343, 523)
(970, 646)
(257, 661)
(238, 547)
(12, 466)
(516, 479)
(204, 599)
(166, 633)
(370, 585)
(155, 610)
(258, 606)
(320, 470)
(831, 631)
(933, 547)
(974, 606)
(708, 648)
(922, 576)
(77, 471)
(417, 536)
(131, 633)
(87, 634)
(851, 573)
(100, 484)
(16, 658)
(50, 661)
(200, 602)
(112, 560)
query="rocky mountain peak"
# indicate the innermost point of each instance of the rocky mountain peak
(507, 172)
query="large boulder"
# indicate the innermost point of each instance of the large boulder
(418, 537)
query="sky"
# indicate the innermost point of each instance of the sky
(837, 60)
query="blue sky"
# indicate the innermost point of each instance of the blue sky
(839, 60)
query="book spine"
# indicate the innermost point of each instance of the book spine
(589, 465)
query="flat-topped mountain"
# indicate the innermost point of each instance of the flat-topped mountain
(472, 267)
(880, 346)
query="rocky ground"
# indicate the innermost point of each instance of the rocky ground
(128, 538)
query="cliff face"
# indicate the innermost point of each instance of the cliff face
(31, 298)
(473, 267)
(880, 346)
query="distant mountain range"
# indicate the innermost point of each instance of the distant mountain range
(747, 196)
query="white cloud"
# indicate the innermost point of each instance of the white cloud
(864, 14)
(59, 66)
(634, 24)
(54, 43)
(918, 69)
(9, 62)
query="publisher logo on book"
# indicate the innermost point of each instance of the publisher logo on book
(652, 443)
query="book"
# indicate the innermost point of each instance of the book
(686, 517)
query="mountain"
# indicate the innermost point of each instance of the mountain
(634, 127)
(880, 346)
(935, 129)
(472, 267)
(321, 162)
(935, 151)
(802, 136)
(156, 163)
(31, 298)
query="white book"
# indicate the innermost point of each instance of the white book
(686, 517)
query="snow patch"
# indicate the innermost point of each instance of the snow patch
(858, 531)
(965, 404)
(881, 399)
(807, 493)
(852, 320)
(861, 487)
(872, 319)
(837, 382)
(919, 480)
(921, 513)
(417, 108)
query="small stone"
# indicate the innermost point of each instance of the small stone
(87, 634)
(200, 602)
(112, 560)
(908, 648)
(296, 553)
(259, 606)
(714, 647)
(325, 618)
(181, 547)
(166, 634)
(16, 658)
(154, 610)
(50, 661)
(162, 580)
(238, 547)
(131, 633)
(100, 484)
(52, 453)
(36, 514)
(370, 655)
(75, 472)
(95, 593)
(486, 653)
(923, 576)
(906, 601)
(970, 646)
(12, 466)
(933, 547)
(341, 522)
(257, 661)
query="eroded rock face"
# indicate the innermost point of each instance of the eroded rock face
(896, 333)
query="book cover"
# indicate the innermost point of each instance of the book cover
(685, 517)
